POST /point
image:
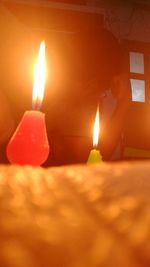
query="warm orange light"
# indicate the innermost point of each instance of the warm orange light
(39, 77)
(96, 130)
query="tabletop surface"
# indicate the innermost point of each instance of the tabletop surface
(75, 216)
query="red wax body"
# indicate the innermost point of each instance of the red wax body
(29, 143)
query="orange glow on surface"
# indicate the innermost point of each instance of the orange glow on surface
(96, 129)
(39, 78)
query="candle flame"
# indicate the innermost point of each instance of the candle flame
(39, 78)
(96, 129)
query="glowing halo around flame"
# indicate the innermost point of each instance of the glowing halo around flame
(39, 78)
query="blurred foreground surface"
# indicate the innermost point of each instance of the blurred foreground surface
(75, 216)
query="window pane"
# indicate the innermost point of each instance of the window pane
(138, 90)
(137, 62)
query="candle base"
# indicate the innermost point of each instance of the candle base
(29, 144)
(94, 157)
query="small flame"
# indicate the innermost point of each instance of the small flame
(39, 78)
(96, 129)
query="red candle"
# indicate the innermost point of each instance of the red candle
(29, 143)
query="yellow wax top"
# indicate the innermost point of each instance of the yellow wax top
(94, 157)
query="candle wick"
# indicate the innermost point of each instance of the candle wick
(94, 146)
(36, 105)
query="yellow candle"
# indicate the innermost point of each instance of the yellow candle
(95, 155)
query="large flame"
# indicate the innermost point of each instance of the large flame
(39, 78)
(96, 129)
